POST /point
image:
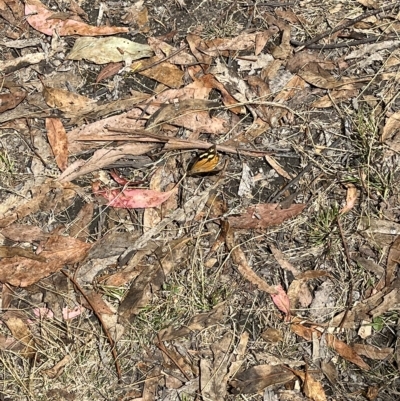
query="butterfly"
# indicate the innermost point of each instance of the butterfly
(205, 162)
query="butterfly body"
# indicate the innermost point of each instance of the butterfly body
(206, 162)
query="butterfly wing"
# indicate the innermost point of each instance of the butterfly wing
(205, 162)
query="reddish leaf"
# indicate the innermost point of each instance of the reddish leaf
(264, 215)
(134, 198)
(281, 300)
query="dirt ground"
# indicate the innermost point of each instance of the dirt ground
(199, 200)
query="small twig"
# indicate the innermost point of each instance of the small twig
(104, 327)
(162, 60)
(349, 300)
(345, 25)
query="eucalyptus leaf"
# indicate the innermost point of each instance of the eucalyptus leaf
(108, 50)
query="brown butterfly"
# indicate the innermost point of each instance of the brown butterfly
(205, 162)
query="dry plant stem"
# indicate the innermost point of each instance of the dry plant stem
(173, 143)
(106, 332)
(347, 44)
(162, 60)
(163, 349)
(306, 169)
(348, 259)
(344, 26)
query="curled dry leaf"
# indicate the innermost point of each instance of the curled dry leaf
(43, 20)
(58, 368)
(350, 198)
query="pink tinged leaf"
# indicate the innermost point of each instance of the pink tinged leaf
(69, 314)
(281, 300)
(135, 198)
(43, 313)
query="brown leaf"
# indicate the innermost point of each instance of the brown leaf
(58, 252)
(102, 158)
(24, 233)
(350, 198)
(108, 71)
(58, 141)
(391, 127)
(41, 18)
(313, 389)
(346, 352)
(257, 378)
(70, 103)
(392, 261)
(244, 269)
(58, 368)
(98, 303)
(330, 371)
(283, 262)
(165, 72)
(372, 352)
(16, 323)
(264, 215)
(10, 100)
(305, 332)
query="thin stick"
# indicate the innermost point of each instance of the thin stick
(162, 60)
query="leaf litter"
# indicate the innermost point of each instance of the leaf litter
(162, 280)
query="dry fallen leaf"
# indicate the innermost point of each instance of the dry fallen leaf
(281, 300)
(350, 198)
(257, 378)
(108, 50)
(243, 267)
(44, 20)
(58, 368)
(58, 251)
(17, 324)
(346, 352)
(10, 100)
(58, 141)
(264, 215)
